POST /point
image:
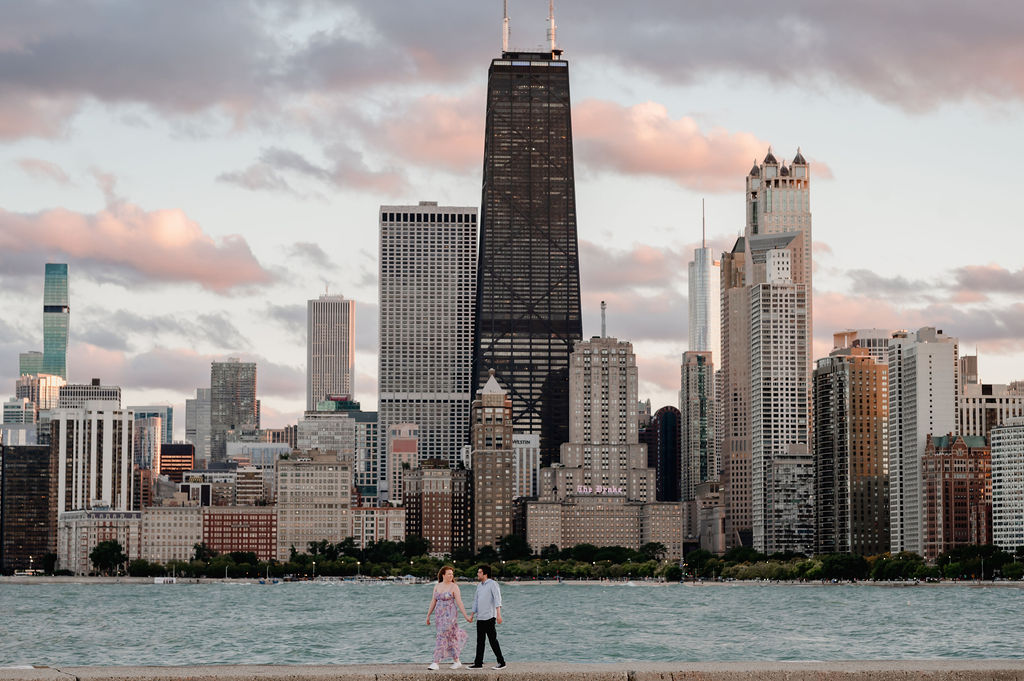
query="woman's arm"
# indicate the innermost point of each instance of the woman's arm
(433, 602)
(458, 602)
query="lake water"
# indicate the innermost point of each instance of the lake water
(348, 623)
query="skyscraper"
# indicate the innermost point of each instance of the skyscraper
(56, 313)
(197, 423)
(703, 290)
(166, 414)
(851, 452)
(735, 397)
(528, 291)
(493, 459)
(924, 370)
(602, 492)
(765, 449)
(330, 348)
(93, 448)
(427, 278)
(697, 425)
(233, 402)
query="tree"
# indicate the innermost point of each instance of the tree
(415, 546)
(514, 547)
(107, 556)
(743, 554)
(203, 553)
(49, 563)
(652, 551)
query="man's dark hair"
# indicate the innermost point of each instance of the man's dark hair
(486, 569)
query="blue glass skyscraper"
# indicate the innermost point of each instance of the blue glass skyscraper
(56, 313)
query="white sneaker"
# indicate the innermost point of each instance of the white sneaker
(499, 666)
(433, 667)
(456, 665)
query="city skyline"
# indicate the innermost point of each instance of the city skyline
(68, 158)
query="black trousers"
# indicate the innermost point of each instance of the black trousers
(485, 628)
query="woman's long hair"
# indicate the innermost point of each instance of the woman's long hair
(440, 573)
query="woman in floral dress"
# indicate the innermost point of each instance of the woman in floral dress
(450, 638)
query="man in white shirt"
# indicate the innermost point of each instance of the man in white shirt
(487, 611)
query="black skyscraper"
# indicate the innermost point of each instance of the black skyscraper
(528, 286)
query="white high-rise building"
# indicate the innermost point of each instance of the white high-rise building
(330, 348)
(313, 500)
(197, 423)
(781, 464)
(1008, 484)
(427, 293)
(525, 464)
(41, 389)
(923, 400)
(94, 456)
(704, 284)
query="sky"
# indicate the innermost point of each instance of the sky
(206, 167)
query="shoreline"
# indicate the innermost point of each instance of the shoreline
(38, 579)
(840, 670)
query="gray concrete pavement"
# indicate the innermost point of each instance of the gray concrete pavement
(879, 670)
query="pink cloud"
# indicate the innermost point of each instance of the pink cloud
(444, 132)
(660, 371)
(644, 140)
(43, 170)
(24, 115)
(161, 245)
(175, 369)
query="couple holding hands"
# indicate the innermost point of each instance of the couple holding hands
(447, 603)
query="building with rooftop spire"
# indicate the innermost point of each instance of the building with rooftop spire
(528, 291)
(768, 473)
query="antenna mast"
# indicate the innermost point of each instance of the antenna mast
(703, 227)
(604, 328)
(504, 30)
(551, 24)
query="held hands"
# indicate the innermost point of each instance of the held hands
(469, 618)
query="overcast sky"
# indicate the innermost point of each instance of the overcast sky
(205, 167)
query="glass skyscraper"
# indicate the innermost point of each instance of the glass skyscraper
(56, 313)
(528, 291)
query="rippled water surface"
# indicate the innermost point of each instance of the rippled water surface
(325, 623)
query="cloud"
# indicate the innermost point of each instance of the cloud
(126, 243)
(644, 140)
(177, 369)
(291, 318)
(112, 330)
(311, 253)
(346, 169)
(434, 131)
(989, 278)
(866, 282)
(659, 371)
(178, 58)
(43, 170)
(641, 266)
(915, 55)
(256, 62)
(634, 316)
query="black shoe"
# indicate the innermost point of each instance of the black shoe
(474, 666)
(500, 665)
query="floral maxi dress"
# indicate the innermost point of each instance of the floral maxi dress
(450, 638)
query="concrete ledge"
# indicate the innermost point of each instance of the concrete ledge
(872, 670)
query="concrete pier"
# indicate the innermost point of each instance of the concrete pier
(875, 670)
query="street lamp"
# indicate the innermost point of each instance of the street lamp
(358, 569)
(503, 569)
(314, 569)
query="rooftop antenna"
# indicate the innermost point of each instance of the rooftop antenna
(551, 24)
(703, 226)
(504, 30)
(604, 327)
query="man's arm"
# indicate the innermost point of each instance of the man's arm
(497, 602)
